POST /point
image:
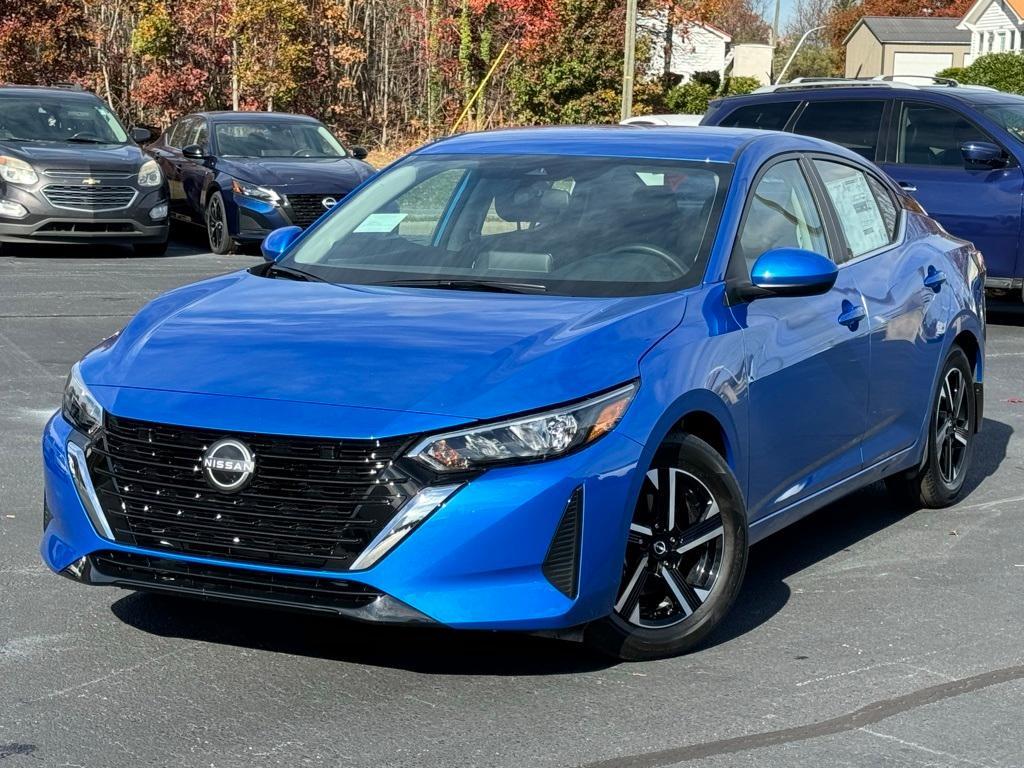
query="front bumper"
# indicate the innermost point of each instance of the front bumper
(476, 562)
(47, 223)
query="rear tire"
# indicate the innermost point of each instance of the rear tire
(217, 231)
(685, 558)
(951, 430)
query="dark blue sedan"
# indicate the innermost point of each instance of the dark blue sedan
(242, 174)
(547, 379)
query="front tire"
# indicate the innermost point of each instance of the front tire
(685, 556)
(217, 230)
(951, 429)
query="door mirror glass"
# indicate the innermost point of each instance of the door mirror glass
(278, 242)
(983, 154)
(141, 135)
(792, 272)
(193, 152)
(359, 153)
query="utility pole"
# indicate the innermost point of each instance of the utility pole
(234, 74)
(775, 23)
(629, 66)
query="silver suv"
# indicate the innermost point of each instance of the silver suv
(71, 173)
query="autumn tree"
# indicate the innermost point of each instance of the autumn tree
(43, 41)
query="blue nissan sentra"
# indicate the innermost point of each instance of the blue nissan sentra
(554, 380)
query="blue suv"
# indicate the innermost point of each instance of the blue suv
(548, 379)
(957, 149)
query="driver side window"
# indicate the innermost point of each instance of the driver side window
(781, 213)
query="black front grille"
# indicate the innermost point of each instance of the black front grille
(81, 197)
(220, 582)
(303, 210)
(312, 503)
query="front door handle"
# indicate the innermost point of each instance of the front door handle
(852, 314)
(934, 279)
(908, 186)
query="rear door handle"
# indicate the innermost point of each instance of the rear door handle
(934, 279)
(852, 314)
(908, 186)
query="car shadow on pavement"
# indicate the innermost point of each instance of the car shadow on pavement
(95, 251)
(833, 529)
(439, 651)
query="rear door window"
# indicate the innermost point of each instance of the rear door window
(930, 135)
(851, 124)
(769, 116)
(865, 224)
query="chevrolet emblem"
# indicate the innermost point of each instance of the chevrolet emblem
(89, 181)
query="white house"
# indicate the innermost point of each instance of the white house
(695, 47)
(995, 26)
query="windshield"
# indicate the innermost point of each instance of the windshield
(577, 226)
(276, 139)
(73, 120)
(1009, 116)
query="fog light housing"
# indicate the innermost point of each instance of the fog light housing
(12, 210)
(158, 211)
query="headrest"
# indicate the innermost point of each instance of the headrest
(521, 201)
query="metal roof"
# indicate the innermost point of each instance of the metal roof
(914, 29)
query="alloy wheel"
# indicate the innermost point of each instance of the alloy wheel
(215, 223)
(952, 426)
(674, 552)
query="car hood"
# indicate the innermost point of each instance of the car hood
(462, 354)
(333, 175)
(100, 157)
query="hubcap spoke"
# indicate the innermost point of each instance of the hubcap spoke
(960, 435)
(701, 533)
(684, 594)
(629, 602)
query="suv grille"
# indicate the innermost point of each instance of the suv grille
(79, 173)
(305, 209)
(312, 503)
(83, 198)
(163, 574)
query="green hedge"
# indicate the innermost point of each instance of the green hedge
(1003, 71)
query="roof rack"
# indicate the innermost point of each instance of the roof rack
(879, 81)
(806, 83)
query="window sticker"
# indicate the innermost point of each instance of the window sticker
(380, 222)
(862, 223)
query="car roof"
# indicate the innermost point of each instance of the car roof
(869, 90)
(71, 92)
(216, 116)
(699, 143)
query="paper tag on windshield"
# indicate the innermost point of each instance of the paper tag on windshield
(380, 222)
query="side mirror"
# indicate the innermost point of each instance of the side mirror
(359, 153)
(278, 242)
(790, 272)
(194, 152)
(983, 154)
(141, 135)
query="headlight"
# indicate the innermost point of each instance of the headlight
(17, 171)
(150, 175)
(537, 436)
(80, 408)
(257, 192)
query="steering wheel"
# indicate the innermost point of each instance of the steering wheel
(651, 250)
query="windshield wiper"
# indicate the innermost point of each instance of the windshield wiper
(288, 273)
(84, 140)
(494, 286)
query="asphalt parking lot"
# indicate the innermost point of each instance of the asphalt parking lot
(865, 636)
